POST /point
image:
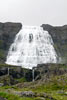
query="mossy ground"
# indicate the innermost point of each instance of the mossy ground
(56, 88)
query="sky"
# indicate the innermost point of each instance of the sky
(34, 12)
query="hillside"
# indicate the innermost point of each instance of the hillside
(7, 34)
(59, 36)
(50, 84)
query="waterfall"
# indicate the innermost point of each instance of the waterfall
(32, 46)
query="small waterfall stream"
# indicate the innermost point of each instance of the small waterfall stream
(32, 46)
(33, 74)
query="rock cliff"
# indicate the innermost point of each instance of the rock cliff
(59, 36)
(7, 34)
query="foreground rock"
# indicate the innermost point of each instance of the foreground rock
(43, 96)
(28, 94)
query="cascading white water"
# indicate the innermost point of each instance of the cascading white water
(32, 46)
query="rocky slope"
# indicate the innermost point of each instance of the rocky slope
(51, 85)
(7, 35)
(59, 35)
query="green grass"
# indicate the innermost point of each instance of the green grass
(14, 97)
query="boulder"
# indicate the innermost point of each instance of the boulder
(28, 94)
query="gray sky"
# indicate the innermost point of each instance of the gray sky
(34, 12)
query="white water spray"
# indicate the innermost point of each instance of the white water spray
(32, 46)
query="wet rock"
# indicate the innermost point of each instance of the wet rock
(3, 71)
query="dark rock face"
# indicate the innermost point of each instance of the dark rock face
(17, 73)
(7, 35)
(42, 73)
(52, 69)
(59, 36)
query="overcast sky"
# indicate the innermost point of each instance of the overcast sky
(34, 12)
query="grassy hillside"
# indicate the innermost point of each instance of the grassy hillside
(56, 89)
(46, 88)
